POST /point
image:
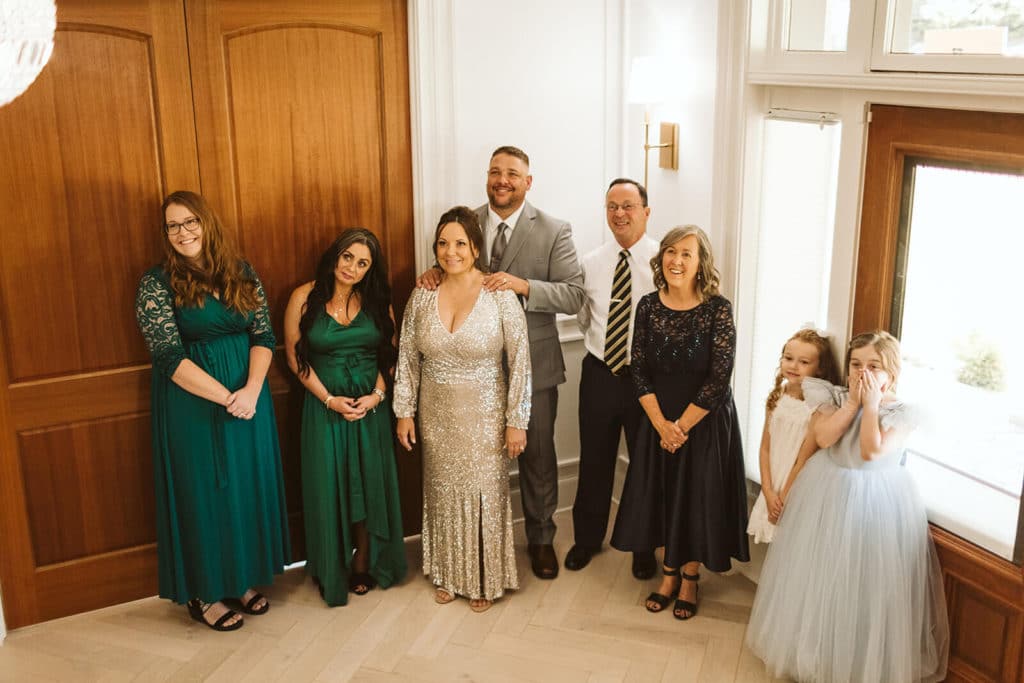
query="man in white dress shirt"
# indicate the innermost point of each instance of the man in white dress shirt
(616, 275)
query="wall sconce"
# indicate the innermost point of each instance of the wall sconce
(647, 85)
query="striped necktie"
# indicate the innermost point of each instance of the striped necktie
(617, 331)
(498, 248)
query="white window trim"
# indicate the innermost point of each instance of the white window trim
(884, 60)
(865, 65)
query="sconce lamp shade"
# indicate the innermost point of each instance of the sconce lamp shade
(26, 43)
(647, 80)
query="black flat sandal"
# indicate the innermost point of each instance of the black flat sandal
(197, 609)
(361, 583)
(248, 608)
(685, 605)
(661, 600)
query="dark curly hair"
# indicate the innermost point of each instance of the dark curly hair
(374, 293)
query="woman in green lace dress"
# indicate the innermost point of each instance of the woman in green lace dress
(220, 509)
(339, 337)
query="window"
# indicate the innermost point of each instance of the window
(791, 251)
(954, 307)
(818, 25)
(980, 36)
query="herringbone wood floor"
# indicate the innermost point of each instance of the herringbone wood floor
(583, 626)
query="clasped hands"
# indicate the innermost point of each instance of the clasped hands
(242, 403)
(353, 409)
(493, 282)
(672, 435)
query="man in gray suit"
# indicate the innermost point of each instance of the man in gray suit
(532, 254)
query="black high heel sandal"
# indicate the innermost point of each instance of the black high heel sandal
(685, 605)
(662, 600)
(197, 610)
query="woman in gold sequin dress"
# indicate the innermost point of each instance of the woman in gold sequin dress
(455, 347)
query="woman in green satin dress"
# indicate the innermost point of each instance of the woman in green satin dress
(339, 337)
(220, 510)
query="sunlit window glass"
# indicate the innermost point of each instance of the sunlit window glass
(950, 27)
(956, 309)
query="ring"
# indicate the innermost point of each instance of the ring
(504, 282)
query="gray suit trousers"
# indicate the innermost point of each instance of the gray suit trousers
(538, 468)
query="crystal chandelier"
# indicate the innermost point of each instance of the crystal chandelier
(26, 43)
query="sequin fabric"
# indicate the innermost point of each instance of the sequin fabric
(466, 386)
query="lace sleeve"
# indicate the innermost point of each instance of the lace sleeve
(407, 372)
(154, 311)
(517, 351)
(641, 366)
(723, 355)
(260, 331)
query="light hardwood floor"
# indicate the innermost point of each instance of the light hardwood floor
(583, 626)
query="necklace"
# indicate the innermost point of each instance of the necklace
(340, 312)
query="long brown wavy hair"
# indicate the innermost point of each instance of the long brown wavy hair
(219, 268)
(828, 369)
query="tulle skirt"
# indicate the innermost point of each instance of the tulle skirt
(851, 590)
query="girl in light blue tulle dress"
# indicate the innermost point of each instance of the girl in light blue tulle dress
(851, 590)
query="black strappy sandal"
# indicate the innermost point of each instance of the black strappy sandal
(197, 609)
(686, 605)
(248, 608)
(662, 600)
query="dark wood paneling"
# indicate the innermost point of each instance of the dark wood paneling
(303, 126)
(88, 151)
(985, 595)
(89, 487)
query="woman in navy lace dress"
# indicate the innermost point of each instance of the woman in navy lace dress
(685, 489)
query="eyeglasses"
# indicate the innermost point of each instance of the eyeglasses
(192, 225)
(628, 208)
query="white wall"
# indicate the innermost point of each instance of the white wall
(545, 77)
(684, 35)
(549, 77)
(538, 75)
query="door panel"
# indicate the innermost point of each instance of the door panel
(87, 149)
(303, 125)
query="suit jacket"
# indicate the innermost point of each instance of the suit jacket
(541, 250)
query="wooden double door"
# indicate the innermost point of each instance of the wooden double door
(293, 120)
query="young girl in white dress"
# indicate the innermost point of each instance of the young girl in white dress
(851, 590)
(786, 442)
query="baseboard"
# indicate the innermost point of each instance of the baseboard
(568, 480)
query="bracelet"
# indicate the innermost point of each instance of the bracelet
(327, 401)
(380, 394)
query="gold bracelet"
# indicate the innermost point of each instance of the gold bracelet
(327, 401)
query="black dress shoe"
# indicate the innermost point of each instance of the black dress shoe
(542, 560)
(578, 557)
(643, 565)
